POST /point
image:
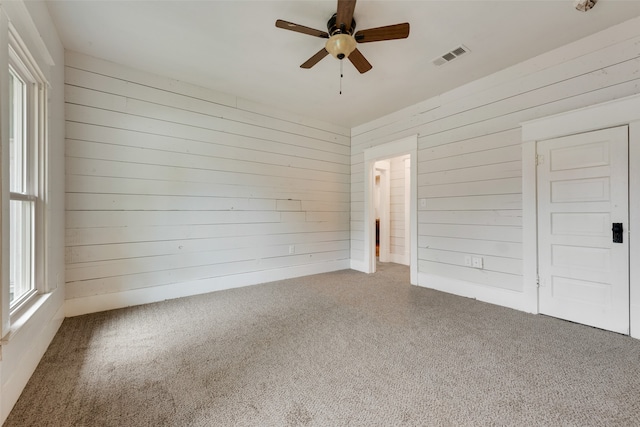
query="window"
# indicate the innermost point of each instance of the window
(26, 184)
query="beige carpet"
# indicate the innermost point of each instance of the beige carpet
(338, 349)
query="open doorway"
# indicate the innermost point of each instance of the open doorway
(391, 205)
(381, 201)
(391, 195)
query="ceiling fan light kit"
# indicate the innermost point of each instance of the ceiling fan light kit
(342, 41)
(584, 5)
(340, 45)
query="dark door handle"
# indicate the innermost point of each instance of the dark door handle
(616, 228)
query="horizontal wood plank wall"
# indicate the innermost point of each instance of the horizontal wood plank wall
(173, 189)
(397, 209)
(470, 162)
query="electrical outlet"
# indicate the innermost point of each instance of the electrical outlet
(467, 261)
(423, 203)
(476, 261)
(292, 249)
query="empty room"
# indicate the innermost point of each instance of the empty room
(319, 212)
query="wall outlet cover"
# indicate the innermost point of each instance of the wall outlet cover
(477, 261)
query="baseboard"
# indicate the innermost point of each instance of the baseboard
(399, 259)
(111, 301)
(498, 296)
(358, 265)
(634, 321)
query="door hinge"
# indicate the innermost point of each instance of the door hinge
(539, 159)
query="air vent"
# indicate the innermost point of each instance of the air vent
(439, 61)
(450, 56)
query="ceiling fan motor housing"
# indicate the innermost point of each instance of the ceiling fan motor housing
(334, 27)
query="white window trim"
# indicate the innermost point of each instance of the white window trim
(24, 64)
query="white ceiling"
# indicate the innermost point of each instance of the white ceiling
(234, 46)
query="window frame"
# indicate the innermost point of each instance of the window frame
(23, 65)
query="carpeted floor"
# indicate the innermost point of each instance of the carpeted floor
(337, 349)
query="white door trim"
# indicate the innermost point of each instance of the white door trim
(401, 147)
(624, 111)
(407, 212)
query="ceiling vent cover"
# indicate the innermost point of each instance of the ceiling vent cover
(450, 56)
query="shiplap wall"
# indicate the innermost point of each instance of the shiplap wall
(469, 158)
(397, 210)
(173, 190)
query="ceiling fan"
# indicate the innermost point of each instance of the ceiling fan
(342, 41)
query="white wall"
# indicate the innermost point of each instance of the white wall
(469, 159)
(175, 190)
(397, 208)
(25, 340)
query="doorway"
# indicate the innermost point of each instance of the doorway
(393, 167)
(392, 205)
(382, 210)
(622, 112)
(583, 217)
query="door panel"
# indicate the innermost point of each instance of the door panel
(580, 157)
(582, 190)
(580, 224)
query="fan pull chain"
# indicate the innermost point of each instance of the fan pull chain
(341, 76)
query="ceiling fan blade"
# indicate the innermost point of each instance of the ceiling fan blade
(301, 29)
(390, 32)
(345, 14)
(359, 61)
(315, 58)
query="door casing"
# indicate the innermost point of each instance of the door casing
(623, 111)
(408, 145)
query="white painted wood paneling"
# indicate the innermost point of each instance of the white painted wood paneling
(399, 224)
(470, 159)
(169, 184)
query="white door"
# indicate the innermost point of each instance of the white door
(582, 192)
